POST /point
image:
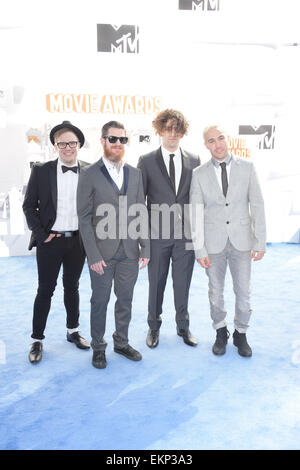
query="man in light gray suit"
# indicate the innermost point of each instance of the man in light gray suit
(167, 173)
(107, 193)
(229, 230)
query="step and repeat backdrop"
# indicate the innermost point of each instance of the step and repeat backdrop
(233, 62)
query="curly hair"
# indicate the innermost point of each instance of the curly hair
(177, 118)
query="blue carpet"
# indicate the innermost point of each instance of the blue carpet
(177, 397)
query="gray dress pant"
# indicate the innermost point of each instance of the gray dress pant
(123, 272)
(239, 263)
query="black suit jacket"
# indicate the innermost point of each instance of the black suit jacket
(157, 184)
(40, 201)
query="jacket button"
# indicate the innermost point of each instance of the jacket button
(226, 204)
(227, 222)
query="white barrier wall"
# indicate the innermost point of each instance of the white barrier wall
(228, 61)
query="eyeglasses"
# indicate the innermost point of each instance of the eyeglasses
(112, 139)
(63, 145)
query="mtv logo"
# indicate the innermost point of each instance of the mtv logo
(118, 39)
(266, 134)
(204, 5)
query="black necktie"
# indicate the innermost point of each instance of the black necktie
(172, 170)
(224, 178)
(72, 168)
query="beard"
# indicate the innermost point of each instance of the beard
(114, 157)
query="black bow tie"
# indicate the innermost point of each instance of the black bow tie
(72, 168)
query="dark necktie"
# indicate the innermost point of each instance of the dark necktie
(224, 178)
(71, 168)
(172, 170)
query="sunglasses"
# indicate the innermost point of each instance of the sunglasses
(112, 139)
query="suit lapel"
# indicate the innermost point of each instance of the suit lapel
(53, 182)
(111, 181)
(162, 167)
(184, 170)
(233, 177)
(213, 178)
(126, 178)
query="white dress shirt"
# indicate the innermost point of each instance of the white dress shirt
(66, 213)
(116, 175)
(177, 163)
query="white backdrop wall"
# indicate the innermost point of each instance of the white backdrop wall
(229, 61)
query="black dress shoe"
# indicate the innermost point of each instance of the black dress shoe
(219, 347)
(240, 341)
(129, 352)
(99, 359)
(187, 336)
(152, 338)
(35, 354)
(80, 342)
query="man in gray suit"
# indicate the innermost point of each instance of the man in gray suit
(167, 174)
(229, 230)
(105, 191)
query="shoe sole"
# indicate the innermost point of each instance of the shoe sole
(128, 357)
(152, 346)
(218, 353)
(242, 355)
(187, 342)
(35, 362)
(99, 366)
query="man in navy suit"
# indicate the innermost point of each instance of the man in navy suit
(51, 214)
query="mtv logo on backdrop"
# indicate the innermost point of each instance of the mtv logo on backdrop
(118, 39)
(204, 5)
(265, 133)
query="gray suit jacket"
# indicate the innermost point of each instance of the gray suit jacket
(95, 192)
(159, 191)
(240, 216)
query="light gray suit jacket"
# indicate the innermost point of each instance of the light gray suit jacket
(240, 216)
(95, 191)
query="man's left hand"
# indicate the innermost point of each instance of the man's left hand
(257, 255)
(144, 262)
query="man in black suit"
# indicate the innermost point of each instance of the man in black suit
(167, 174)
(51, 213)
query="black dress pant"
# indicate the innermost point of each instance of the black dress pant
(162, 252)
(68, 253)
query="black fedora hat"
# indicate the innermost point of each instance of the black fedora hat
(67, 125)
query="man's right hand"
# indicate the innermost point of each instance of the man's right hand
(99, 267)
(204, 262)
(51, 236)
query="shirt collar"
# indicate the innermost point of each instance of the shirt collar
(110, 166)
(166, 153)
(60, 163)
(227, 161)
